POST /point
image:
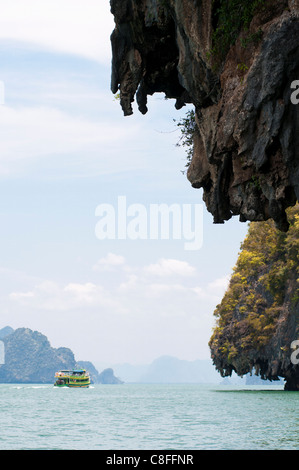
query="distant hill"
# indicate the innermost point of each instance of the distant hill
(105, 377)
(130, 373)
(6, 331)
(168, 369)
(29, 358)
(108, 377)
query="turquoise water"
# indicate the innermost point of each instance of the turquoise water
(130, 416)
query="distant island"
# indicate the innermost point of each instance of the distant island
(171, 370)
(29, 358)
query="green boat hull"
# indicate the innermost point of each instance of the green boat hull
(72, 385)
(72, 379)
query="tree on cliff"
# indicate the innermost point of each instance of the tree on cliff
(258, 318)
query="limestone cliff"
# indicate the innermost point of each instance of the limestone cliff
(30, 358)
(235, 61)
(258, 318)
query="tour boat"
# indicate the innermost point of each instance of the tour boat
(72, 378)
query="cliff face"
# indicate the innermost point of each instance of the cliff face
(106, 377)
(29, 358)
(238, 76)
(258, 318)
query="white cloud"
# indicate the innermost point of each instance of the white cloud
(220, 285)
(213, 290)
(131, 284)
(49, 295)
(80, 27)
(21, 295)
(170, 267)
(139, 312)
(83, 293)
(161, 289)
(109, 262)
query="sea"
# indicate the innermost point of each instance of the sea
(148, 416)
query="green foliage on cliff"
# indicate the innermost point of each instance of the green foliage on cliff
(260, 307)
(187, 126)
(229, 18)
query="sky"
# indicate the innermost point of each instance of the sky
(71, 167)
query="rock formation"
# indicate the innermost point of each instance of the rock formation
(238, 71)
(257, 327)
(5, 331)
(29, 358)
(107, 377)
